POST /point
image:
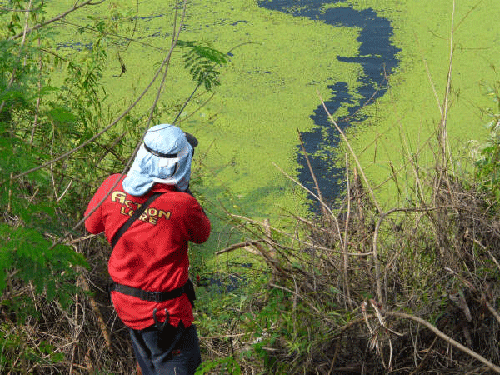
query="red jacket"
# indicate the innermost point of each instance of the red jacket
(153, 253)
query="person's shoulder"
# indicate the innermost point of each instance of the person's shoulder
(184, 198)
(111, 182)
(183, 195)
(113, 178)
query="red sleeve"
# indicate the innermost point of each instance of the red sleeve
(94, 222)
(198, 223)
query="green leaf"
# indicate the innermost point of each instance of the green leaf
(62, 115)
(202, 61)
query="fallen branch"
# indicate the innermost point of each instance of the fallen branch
(491, 310)
(237, 246)
(97, 312)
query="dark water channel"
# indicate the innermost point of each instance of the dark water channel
(377, 57)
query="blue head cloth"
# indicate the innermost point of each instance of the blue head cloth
(164, 156)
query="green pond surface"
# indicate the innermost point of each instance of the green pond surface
(280, 66)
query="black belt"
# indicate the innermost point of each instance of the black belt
(187, 288)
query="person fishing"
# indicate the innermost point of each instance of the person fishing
(149, 217)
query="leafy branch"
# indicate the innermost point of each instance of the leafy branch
(202, 60)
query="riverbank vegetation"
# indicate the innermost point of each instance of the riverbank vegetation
(408, 290)
(408, 286)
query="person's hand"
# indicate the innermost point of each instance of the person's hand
(191, 139)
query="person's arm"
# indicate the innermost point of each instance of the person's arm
(192, 140)
(94, 222)
(198, 222)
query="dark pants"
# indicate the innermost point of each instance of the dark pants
(173, 350)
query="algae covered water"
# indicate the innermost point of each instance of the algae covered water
(380, 66)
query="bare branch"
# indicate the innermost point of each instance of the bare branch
(378, 279)
(344, 138)
(57, 18)
(121, 116)
(238, 245)
(313, 175)
(445, 338)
